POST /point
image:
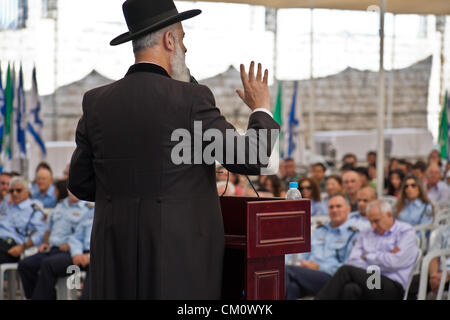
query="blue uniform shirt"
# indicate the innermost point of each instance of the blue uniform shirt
(330, 247)
(80, 241)
(358, 221)
(416, 213)
(318, 208)
(48, 200)
(4, 206)
(19, 222)
(64, 219)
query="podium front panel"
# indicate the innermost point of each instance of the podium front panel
(276, 228)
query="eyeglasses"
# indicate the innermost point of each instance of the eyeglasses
(413, 185)
(307, 188)
(15, 190)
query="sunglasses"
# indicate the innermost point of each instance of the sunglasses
(413, 185)
(307, 188)
(15, 190)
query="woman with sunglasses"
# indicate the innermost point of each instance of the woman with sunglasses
(310, 190)
(413, 205)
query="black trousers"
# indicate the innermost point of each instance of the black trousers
(5, 245)
(29, 269)
(52, 268)
(301, 282)
(350, 283)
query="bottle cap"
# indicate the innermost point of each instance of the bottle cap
(293, 185)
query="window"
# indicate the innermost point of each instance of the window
(13, 14)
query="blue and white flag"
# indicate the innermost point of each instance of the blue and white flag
(293, 123)
(21, 117)
(35, 123)
(2, 111)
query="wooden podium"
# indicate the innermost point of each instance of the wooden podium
(258, 233)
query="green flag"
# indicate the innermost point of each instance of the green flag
(9, 97)
(443, 129)
(278, 116)
(277, 113)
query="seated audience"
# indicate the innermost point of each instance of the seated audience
(333, 186)
(318, 174)
(273, 185)
(56, 266)
(364, 177)
(358, 219)
(418, 169)
(350, 158)
(60, 190)
(395, 182)
(310, 190)
(404, 166)
(290, 173)
(441, 242)
(352, 184)
(5, 179)
(371, 158)
(390, 246)
(63, 221)
(331, 244)
(44, 190)
(437, 190)
(413, 205)
(22, 226)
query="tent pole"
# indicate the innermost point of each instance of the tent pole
(312, 92)
(381, 107)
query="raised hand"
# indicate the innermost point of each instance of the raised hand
(256, 90)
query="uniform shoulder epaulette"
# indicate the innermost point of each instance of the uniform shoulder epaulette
(90, 205)
(320, 224)
(353, 228)
(36, 207)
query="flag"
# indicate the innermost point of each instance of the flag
(278, 116)
(278, 112)
(2, 110)
(35, 123)
(443, 129)
(21, 117)
(293, 123)
(9, 97)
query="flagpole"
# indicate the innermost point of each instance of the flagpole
(312, 93)
(381, 107)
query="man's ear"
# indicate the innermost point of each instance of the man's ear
(169, 41)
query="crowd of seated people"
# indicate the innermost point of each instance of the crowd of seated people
(414, 192)
(43, 215)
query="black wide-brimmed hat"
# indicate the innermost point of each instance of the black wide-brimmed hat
(146, 16)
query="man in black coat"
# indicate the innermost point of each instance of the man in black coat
(158, 230)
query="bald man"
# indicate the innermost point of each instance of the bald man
(351, 183)
(358, 218)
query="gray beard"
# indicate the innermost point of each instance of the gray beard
(180, 71)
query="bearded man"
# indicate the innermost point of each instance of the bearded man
(158, 230)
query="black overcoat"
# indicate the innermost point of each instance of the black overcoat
(158, 230)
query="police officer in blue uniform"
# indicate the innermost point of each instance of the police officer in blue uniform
(23, 225)
(56, 266)
(62, 224)
(331, 245)
(44, 190)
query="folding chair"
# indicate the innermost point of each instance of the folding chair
(442, 254)
(416, 268)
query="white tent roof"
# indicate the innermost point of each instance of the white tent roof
(436, 7)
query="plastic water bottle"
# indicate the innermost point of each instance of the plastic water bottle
(293, 192)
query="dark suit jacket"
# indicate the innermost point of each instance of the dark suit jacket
(158, 231)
